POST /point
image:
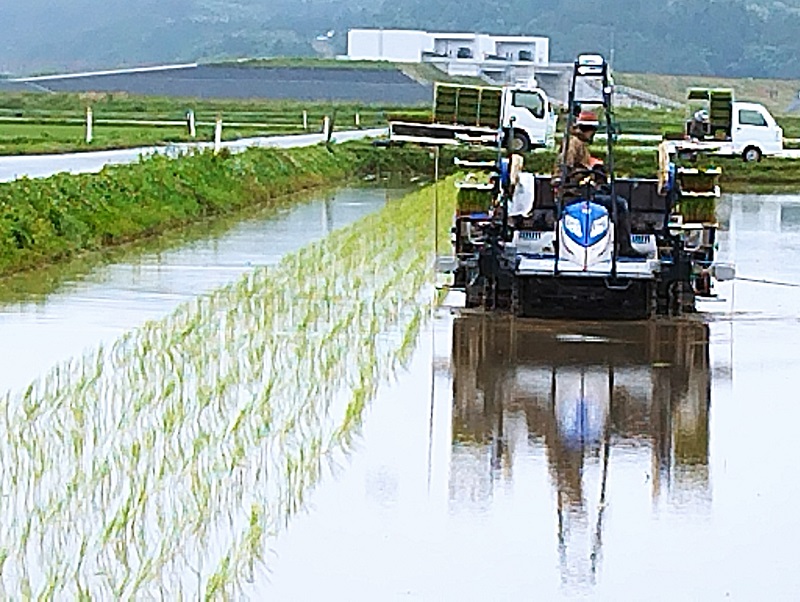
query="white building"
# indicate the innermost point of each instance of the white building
(394, 45)
(471, 54)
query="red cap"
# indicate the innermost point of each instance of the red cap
(587, 118)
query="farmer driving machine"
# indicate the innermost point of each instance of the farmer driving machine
(585, 243)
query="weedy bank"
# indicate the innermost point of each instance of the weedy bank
(45, 220)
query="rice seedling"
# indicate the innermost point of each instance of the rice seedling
(198, 436)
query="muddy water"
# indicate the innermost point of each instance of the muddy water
(96, 304)
(542, 461)
(518, 460)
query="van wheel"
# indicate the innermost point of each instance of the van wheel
(751, 154)
(520, 143)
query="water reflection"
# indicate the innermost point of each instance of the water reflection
(778, 214)
(584, 398)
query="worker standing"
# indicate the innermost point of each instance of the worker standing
(698, 125)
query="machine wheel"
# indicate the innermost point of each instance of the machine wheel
(751, 154)
(519, 143)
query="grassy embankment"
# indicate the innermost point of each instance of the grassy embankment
(54, 123)
(422, 72)
(775, 94)
(42, 221)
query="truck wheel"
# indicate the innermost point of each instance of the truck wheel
(520, 143)
(751, 154)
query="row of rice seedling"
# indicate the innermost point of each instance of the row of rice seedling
(162, 465)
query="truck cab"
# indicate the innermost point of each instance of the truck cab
(744, 129)
(528, 118)
(755, 132)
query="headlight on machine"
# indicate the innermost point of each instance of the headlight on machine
(599, 227)
(573, 224)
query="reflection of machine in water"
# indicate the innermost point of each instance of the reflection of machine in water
(584, 394)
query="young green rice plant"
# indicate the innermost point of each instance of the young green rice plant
(148, 468)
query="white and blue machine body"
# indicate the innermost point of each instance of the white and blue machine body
(587, 235)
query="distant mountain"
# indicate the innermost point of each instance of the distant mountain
(756, 38)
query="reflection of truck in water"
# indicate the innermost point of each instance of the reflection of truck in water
(581, 397)
(523, 116)
(727, 127)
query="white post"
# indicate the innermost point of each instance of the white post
(89, 125)
(218, 135)
(305, 121)
(192, 124)
(358, 120)
(326, 127)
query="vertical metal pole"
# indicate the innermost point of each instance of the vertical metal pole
(610, 165)
(192, 124)
(436, 203)
(562, 162)
(89, 125)
(218, 135)
(305, 121)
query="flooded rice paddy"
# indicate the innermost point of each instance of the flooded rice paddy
(490, 458)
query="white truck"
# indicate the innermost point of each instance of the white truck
(733, 128)
(520, 118)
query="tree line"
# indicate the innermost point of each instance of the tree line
(741, 38)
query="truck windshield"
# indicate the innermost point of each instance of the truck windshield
(531, 101)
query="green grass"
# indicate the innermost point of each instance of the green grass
(36, 123)
(47, 220)
(32, 138)
(23, 104)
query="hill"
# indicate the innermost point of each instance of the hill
(732, 38)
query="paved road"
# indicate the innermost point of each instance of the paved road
(41, 166)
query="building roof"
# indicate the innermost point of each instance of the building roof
(520, 39)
